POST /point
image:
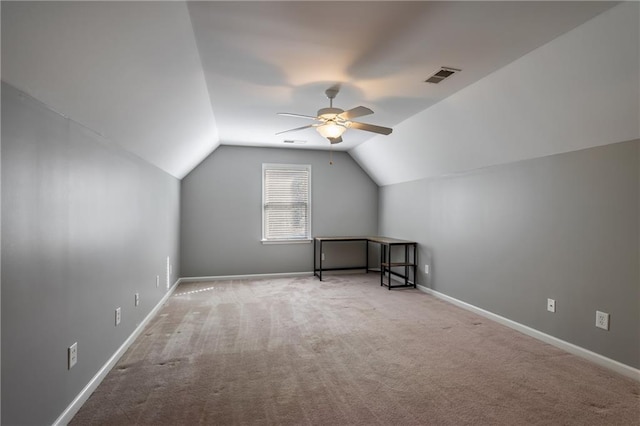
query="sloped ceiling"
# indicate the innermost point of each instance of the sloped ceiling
(579, 91)
(170, 81)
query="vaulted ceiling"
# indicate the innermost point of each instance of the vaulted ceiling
(171, 81)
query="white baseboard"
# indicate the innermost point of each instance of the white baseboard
(243, 277)
(603, 361)
(82, 397)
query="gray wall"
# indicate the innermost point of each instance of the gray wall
(85, 226)
(506, 238)
(222, 211)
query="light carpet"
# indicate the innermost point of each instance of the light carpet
(345, 351)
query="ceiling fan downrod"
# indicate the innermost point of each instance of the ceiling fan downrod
(331, 93)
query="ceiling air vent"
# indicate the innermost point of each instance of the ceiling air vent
(444, 73)
(294, 142)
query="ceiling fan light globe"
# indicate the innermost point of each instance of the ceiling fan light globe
(331, 130)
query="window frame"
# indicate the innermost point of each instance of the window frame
(281, 166)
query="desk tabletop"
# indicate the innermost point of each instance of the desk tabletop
(375, 239)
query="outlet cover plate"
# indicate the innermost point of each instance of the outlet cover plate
(73, 355)
(137, 299)
(602, 320)
(118, 316)
(551, 305)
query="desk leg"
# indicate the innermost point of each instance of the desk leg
(367, 254)
(406, 267)
(415, 265)
(320, 261)
(381, 262)
(389, 262)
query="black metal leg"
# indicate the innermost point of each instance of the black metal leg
(406, 268)
(388, 253)
(381, 266)
(415, 266)
(320, 260)
(367, 254)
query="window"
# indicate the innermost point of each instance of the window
(286, 202)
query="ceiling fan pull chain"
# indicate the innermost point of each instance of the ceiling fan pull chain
(331, 154)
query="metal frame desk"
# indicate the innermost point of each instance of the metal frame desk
(386, 264)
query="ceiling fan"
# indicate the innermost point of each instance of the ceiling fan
(333, 122)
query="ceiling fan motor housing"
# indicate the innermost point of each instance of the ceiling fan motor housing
(329, 113)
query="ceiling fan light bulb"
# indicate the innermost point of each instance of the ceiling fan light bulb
(331, 130)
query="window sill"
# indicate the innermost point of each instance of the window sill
(305, 241)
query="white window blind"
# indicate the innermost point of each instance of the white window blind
(286, 202)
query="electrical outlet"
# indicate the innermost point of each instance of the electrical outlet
(602, 320)
(551, 305)
(118, 316)
(72, 355)
(157, 281)
(137, 299)
(322, 256)
(426, 269)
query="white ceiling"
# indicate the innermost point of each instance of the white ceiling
(170, 81)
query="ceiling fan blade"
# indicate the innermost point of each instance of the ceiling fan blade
(371, 128)
(335, 140)
(297, 128)
(355, 112)
(289, 114)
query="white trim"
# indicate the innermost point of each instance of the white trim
(300, 241)
(82, 397)
(603, 361)
(244, 277)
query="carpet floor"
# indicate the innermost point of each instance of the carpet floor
(345, 351)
